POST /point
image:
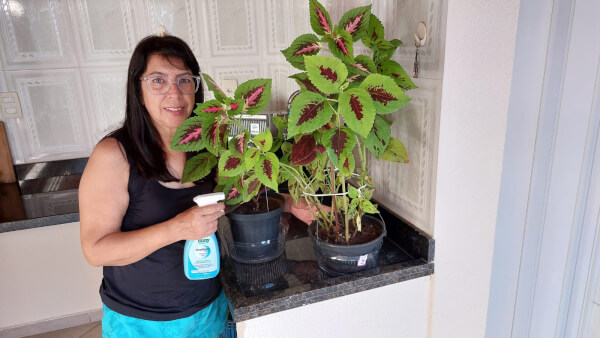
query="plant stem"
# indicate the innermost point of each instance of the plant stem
(345, 212)
(333, 200)
(362, 153)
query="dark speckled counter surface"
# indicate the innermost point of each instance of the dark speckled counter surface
(296, 280)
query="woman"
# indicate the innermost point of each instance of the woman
(135, 212)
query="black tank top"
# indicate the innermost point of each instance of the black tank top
(155, 288)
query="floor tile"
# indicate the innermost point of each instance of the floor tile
(72, 332)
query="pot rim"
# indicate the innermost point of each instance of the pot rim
(319, 241)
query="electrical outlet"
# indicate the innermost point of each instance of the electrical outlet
(229, 86)
(10, 107)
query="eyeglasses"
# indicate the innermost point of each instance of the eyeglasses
(160, 85)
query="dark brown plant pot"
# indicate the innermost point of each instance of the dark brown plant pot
(336, 259)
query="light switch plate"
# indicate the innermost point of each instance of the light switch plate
(10, 107)
(229, 86)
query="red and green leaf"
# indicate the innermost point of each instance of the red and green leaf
(319, 18)
(239, 143)
(309, 112)
(347, 164)
(379, 137)
(210, 108)
(267, 170)
(251, 157)
(213, 87)
(306, 44)
(395, 152)
(374, 32)
(215, 137)
(395, 71)
(231, 164)
(385, 49)
(252, 186)
(263, 140)
(234, 107)
(341, 46)
(304, 150)
(256, 94)
(386, 95)
(188, 136)
(304, 82)
(338, 141)
(234, 191)
(280, 123)
(356, 21)
(356, 106)
(363, 65)
(326, 73)
(198, 167)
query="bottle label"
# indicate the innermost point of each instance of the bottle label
(199, 257)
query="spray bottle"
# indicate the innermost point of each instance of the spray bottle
(201, 259)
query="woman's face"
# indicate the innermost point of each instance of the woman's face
(167, 111)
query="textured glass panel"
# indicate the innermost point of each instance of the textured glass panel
(52, 115)
(233, 23)
(107, 24)
(35, 26)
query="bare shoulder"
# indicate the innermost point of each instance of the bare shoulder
(107, 164)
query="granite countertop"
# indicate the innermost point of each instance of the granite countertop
(294, 278)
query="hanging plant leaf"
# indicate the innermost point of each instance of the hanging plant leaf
(347, 164)
(188, 136)
(338, 141)
(213, 87)
(386, 95)
(231, 164)
(197, 167)
(395, 71)
(251, 157)
(304, 150)
(234, 107)
(356, 21)
(264, 140)
(303, 81)
(395, 152)
(210, 108)
(326, 73)
(374, 32)
(251, 187)
(306, 44)
(356, 106)
(239, 143)
(256, 94)
(267, 170)
(308, 113)
(215, 135)
(319, 18)
(341, 46)
(379, 137)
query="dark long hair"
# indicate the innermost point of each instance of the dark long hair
(144, 142)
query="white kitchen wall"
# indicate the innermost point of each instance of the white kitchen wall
(67, 59)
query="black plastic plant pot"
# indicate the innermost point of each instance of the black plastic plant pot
(336, 259)
(255, 236)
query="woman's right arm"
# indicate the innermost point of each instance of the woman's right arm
(103, 201)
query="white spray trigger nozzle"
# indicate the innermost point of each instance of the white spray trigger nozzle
(208, 199)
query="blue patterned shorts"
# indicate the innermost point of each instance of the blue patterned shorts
(209, 322)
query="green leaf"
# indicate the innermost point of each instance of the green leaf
(352, 192)
(213, 87)
(395, 152)
(251, 157)
(319, 18)
(386, 95)
(256, 94)
(341, 46)
(326, 73)
(356, 21)
(379, 137)
(198, 167)
(306, 44)
(304, 82)
(188, 136)
(251, 187)
(309, 112)
(396, 72)
(368, 207)
(357, 109)
(231, 164)
(374, 32)
(385, 49)
(280, 123)
(264, 140)
(267, 170)
(338, 141)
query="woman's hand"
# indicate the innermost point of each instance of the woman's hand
(198, 222)
(302, 210)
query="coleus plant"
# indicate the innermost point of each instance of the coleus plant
(246, 163)
(341, 112)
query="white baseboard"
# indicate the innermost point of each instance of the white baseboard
(53, 324)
